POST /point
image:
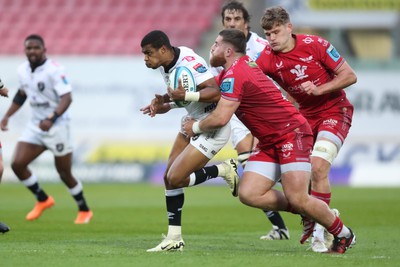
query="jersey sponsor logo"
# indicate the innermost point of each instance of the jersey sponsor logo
(41, 86)
(308, 40)
(64, 79)
(333, 53)
(189, 58)
(323, 42)
(200, 68)
(227, 85)
(279, 65)
(210, 108)
(40, 105)
(307, 59)
(299, 71)
(330, 122)
(286, 150)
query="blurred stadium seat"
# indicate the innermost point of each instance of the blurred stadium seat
(103, 27)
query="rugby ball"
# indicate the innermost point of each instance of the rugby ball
(188, 82)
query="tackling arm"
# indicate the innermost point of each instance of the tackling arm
(344, 77)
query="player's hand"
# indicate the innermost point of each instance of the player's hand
(186, 126)
(310, 88)
(4, 124)
(4, 92)
(45, 125)
(178, 94)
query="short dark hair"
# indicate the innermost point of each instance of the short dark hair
(235, 5)
(36, 37)
(156, 39)
(274, 16)
(236, 38)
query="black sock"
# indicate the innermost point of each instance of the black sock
(174, 209)
(80, 200)
(38, 192)
(275, 218)
(205, 174)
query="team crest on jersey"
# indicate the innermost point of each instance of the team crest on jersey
(299, 71)
(227, 85)
(40, 86)
(333, 53)
(200, 68)
(189, 58)
(64, 79)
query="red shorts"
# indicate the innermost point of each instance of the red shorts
(295, 146)
(336, 120)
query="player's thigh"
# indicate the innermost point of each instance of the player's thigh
(180, 143)
(188, 161)
(295, 185)
(254, 184)
(25, 153)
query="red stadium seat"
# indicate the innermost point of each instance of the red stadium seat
(103, 27)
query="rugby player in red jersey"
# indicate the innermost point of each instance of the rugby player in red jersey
(314, 74)
(285, 138)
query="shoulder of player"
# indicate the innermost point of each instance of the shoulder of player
(311, 40)
(255, 38)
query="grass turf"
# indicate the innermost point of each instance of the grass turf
(218, 230)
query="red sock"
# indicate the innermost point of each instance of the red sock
(336, 227)
(325, 197)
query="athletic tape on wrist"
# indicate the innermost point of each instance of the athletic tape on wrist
(192, 96)
(196, 127)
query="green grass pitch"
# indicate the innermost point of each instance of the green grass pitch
(217, 228)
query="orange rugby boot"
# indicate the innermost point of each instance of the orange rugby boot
(84, 217)
(40, 206)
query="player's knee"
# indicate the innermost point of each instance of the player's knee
(298, 202)
(326, 150)
(246, 196)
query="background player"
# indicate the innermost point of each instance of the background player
(3, 92)
(188, 156)
(314, 74)
(235, 16)
(285, 138)
(43, 83)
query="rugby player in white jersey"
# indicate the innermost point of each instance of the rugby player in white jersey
(235, 16)
(188, 157)
(3, 92)
(44, 84)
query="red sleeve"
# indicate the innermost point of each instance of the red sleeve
(328, 55)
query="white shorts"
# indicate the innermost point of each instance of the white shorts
(58, 139)
(212, 142)
(239, 131)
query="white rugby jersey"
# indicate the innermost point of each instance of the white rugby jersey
(200, 71)
(43, 88)
(255, 44)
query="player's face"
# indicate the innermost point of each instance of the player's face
(233, 19)
(279, 37)
(34, 51)
(152, 56)
(217, 53)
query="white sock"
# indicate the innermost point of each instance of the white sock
(345, 232)
(318, 233)
(174, 232)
